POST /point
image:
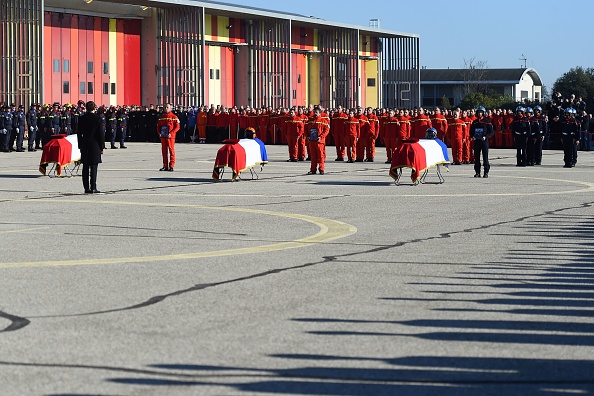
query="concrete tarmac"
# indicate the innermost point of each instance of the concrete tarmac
(168, 283)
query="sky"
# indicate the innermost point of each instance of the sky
(553, 36)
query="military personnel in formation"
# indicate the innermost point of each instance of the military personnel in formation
(18, 129)
(32, 118)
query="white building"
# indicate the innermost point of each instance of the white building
(520, 84)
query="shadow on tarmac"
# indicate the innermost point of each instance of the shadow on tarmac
(553, 299)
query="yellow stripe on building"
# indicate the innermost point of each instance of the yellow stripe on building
(113, 60)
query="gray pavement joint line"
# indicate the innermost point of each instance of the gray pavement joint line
(326, 259)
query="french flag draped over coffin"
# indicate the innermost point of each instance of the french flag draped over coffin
(239, 155)
(419, 155)
(62, 150)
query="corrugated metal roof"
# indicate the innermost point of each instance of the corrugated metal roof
(240, 10)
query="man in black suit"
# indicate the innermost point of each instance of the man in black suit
(91, 143)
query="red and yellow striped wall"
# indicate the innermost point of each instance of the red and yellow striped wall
(91, 58)
(368, 46)
(223, 29)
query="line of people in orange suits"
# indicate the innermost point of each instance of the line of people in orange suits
(354, 132)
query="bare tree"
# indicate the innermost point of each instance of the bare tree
(474, 74)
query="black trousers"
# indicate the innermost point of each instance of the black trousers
(481, 147)
(521, 144)
(89, 171)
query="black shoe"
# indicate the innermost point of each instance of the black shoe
(339, 159)
(301, 159)
(321, 172)
(37, 147)
(20, 150)
(169, 169)
(477, 175)
(311, 172)
(31, 149)
(567, 166)
(88, 191)
(308, 159)
(95, 191)
(388, 162)
(163, 169)
(291, 160)
(123, 147)
(358, 160)
(350, 161)
(114, 147)
(486, 175)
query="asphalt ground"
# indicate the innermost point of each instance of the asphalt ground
(168, 283)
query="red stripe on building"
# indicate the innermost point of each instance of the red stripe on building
(132, 58)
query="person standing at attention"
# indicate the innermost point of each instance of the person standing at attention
(167, 127)
(91, 143)
(316, 130)
(481, 130)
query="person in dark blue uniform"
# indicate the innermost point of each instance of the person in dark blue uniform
(520, 129)
(5, 125)
(32, 118)
(570, 137)
(481, 130)
(8, 127)
(542, 126)
(18, 127)
(122, 127)
(54, 120)
(91, 142)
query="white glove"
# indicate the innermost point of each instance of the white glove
(3, 131)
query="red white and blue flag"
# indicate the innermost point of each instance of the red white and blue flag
(419, 155)
(239, 155)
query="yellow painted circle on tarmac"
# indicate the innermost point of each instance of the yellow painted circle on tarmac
(330, 230)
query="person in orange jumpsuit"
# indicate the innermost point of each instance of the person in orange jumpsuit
(201, 124)
(390, 128)
(263, 125)
(211, 124)
(497, 120)
(338, 119)
(167, 127)
(404, 125)
(233, 123)
(242, 122)
(456, 132)
(273, 126)
(352, 129)
(295, 129)
(420, 124)
(252, 119)
(363, 134)
(222, 124)
(383, 115)
(466, 146)
(508, 137)
(372, 135)
(439, 122)
(317, 129)
(303, 141)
